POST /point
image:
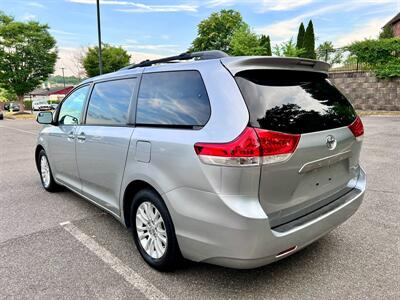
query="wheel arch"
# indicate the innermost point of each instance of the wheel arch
(130, 191)
(37, 151)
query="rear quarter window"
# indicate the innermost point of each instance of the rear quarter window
(173, 99)
(293, 101)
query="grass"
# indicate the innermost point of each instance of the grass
(19, 115)
(378, 112)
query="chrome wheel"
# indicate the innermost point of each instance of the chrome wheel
(45, 171)
(150, 230)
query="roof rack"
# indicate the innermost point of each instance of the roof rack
(202, 55)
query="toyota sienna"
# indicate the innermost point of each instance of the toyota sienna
(234, 161)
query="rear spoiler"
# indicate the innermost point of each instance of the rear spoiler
(238, 64)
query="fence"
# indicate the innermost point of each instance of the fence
(341, 60)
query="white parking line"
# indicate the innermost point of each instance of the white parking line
(136, 280)
(18, 129)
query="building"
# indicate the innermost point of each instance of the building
(46, 94)
(395, 24)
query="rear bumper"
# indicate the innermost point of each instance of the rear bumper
(236, 233)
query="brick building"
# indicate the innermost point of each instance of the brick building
(395, 24)
(55, 93)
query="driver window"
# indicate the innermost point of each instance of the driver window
(72, 107)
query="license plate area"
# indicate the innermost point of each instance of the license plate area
(324, 180)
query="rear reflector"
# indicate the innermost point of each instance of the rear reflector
(286, 252)
(357, 128)
(252, 147)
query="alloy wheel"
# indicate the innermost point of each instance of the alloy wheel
(45, 171)
(150, 230)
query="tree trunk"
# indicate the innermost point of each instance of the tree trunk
(21, 102)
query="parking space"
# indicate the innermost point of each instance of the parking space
(91, 255)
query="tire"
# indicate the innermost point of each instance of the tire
(171, 257)
(48, 183)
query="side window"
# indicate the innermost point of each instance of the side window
(109, 102)
(71, 109)
(173, 98)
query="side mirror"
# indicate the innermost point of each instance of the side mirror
(45, 117)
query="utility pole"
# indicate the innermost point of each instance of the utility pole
(63, 75)
(99, 37)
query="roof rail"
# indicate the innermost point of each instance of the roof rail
(201, 55)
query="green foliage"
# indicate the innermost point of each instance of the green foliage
(329, 54)
(69, 80)
(6, 96)
(215, 32)
(27, 54)
(245, 42)
(386, 33)
(114, 58)
(309, 42)
(382, 55)
(288, 49)
(265, 44)
(28, 104)
(300, 36)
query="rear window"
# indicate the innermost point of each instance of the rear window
(293, 101)
(173, 99)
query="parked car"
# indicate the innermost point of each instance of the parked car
(54, 106)
(234, 161)
(41, 105)
(12, 106)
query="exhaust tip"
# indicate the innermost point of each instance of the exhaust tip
(286, 252)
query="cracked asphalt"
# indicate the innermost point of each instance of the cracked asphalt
(39, 259)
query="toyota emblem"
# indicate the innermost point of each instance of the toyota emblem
(331, 142)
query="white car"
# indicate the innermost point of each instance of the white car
(41, 106)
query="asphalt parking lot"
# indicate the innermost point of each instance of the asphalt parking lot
(93, 256)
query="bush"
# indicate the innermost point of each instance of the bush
(28, 104)
(382, 55)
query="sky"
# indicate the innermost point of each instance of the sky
(155, 28)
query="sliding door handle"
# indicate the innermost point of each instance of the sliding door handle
(81, 137)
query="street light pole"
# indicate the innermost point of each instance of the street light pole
(63, 75)
(99, 37)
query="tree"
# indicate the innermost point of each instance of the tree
(114, 58)
(27, 55)
(245, 42)
(309, 42)
(300, 37)
(59, 80)
(288, 49)
(386, 33)
(265, 44)
(6, 95)
(215, 32)
(328, 53)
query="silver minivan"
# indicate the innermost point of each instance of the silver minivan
(234, 161)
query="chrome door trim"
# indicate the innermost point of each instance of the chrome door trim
(324, 162)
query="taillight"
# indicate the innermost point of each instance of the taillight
(357, 128)
(276, 146)
(252, 147)
(243, 151)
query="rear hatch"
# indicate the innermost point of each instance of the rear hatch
(324, 165)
